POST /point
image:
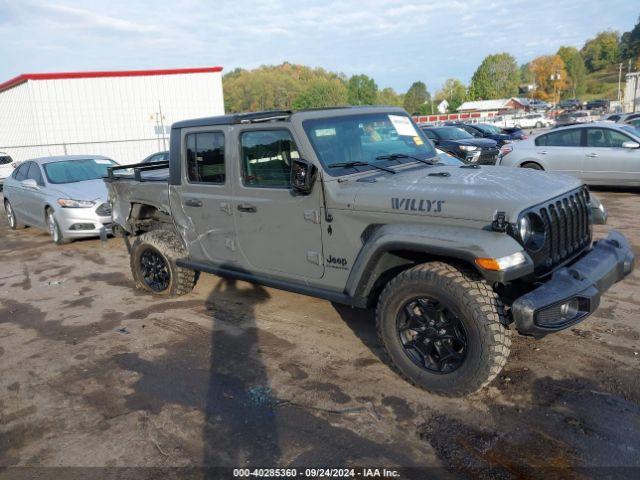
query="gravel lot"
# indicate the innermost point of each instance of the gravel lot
(93, 373)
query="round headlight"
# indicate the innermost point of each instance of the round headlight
(524, 229)
(532, 231)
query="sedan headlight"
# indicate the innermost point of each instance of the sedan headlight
(69, 203)
(467, 148)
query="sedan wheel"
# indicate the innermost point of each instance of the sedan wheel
(54, 229)
(13, 221)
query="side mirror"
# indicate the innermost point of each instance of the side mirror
(29, 183)
(303, 176)
(630, 144)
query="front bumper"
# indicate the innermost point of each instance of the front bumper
(573, 292)
(74, 222)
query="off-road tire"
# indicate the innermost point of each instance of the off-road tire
(480, 311)
(532, 165)
(16, 224)
(167, 244)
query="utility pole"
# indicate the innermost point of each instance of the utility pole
(619, 80)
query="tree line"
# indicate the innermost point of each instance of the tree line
(560, 75)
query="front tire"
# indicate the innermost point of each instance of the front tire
(54, 229)
(443, 328)
(153, 264)
(13, 221)
(532, 165)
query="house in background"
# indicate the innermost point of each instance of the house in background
(489, 108)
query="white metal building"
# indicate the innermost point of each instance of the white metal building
(125, 115)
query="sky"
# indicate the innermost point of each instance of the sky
(396, 42)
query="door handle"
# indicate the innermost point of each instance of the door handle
(247, 207)
(542, 152)
(193, 202)
(591, 155)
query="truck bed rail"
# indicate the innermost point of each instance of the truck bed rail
(138, 169)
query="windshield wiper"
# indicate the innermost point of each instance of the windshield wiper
(396, 156)
(359, 164)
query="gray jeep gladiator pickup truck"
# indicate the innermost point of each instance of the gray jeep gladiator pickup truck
(351, 205)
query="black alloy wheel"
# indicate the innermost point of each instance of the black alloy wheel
(432, 336)
(154, 270)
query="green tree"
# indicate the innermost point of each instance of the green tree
(601, 51)
(630, 43)
(576, 71)
(454, 92)
(416, 98)
(272, 86)
(322, 93)
(362, 90)
(496, 77)
(388, 96)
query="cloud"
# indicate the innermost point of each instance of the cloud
(89, 19)
(395, 41)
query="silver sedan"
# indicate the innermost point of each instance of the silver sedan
(599, 153)
(65, 196)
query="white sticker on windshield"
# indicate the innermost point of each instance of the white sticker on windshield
(403, 125)
(102, 162)
(325, 132)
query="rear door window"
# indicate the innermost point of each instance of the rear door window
(562, 138)
(205, 157)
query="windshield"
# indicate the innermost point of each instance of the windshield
(365, 138)
(71, 171)
(632, 129)
(452, 133)
(488, 128)
(5, 159)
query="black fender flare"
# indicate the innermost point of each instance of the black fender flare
(463, 244)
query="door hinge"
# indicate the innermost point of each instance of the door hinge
(230, 243)
(312, 216)
(226, 207)
(313, 257)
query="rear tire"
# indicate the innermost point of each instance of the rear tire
(539, 125)
(532, 165)
(443, 328)
(153, 264)
(13, 221)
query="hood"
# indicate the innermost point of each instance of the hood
(467, 193)
(93, 190)
(478, 142)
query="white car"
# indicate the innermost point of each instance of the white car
(6, 167)
(530, 120)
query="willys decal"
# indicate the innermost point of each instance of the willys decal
(417, 205)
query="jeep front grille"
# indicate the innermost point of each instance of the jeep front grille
(567, 224)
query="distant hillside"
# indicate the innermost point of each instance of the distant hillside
(604, 83)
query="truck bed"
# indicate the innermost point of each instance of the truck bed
(143, 183)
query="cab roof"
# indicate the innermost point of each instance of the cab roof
(281, 115)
